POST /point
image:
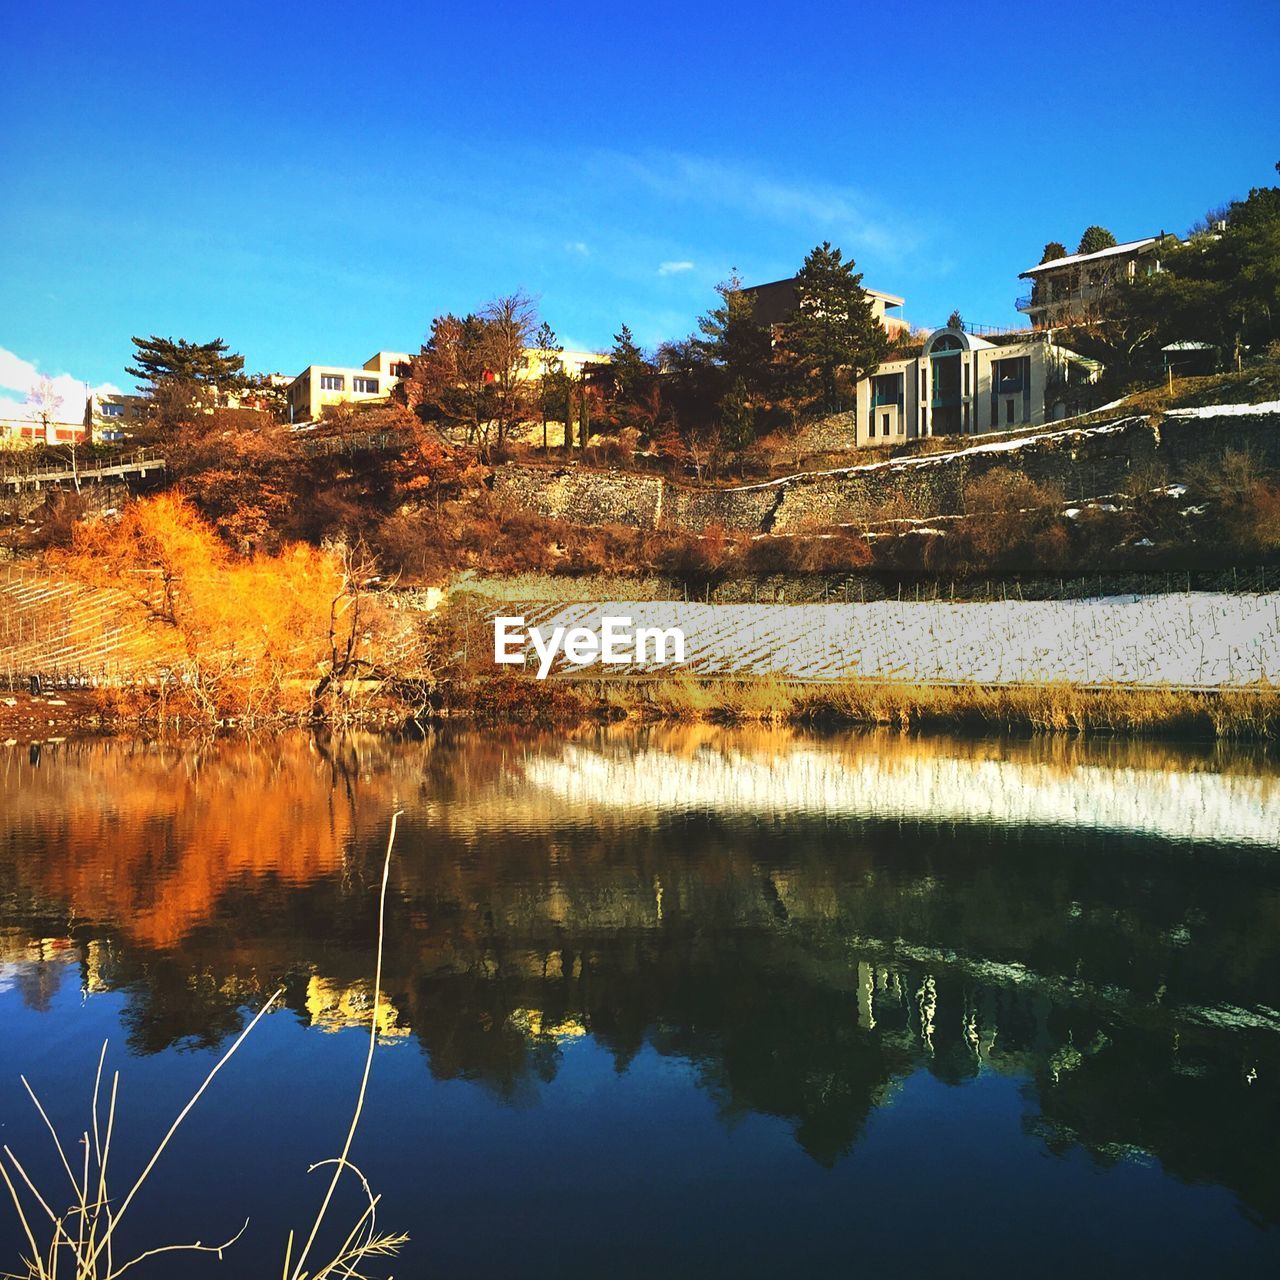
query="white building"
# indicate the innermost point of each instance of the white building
(964, 385)
(319, 385)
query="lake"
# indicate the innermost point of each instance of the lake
(686, 1001)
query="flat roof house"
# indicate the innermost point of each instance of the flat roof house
(324, 384)
(776, 302)
(962, 385)
(1070, 290)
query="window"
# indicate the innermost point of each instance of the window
(1008, 411)
(871, 427)
(367, 386)
(113, 411)
(332, 382)
(884, 424)
(400, 369)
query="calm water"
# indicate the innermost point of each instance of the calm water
(685, 1003)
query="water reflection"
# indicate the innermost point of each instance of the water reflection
(808, 922)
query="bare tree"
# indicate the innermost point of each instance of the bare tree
(46, 402)
(509, 325)
(474, 372)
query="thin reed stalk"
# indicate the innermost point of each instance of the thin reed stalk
(84, 1236)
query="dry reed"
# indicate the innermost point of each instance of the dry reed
(1250, 713)
(81, 1239)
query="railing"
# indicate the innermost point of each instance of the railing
(1025, 303)
(15, 470)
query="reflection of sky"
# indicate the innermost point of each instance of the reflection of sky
(602, 1171)
(1199, 806)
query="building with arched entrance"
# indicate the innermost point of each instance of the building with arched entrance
(963, 385)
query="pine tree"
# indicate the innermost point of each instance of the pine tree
(549, 351)
(1054, 250)
(630, 369)
(834, 334)
(1095, 239)
(736, 341)
(955, 320)
(198, 364)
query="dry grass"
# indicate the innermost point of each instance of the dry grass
(1248, 714)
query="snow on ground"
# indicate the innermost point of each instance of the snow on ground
(1188, 639)
(1225, 410)
(1203, 806)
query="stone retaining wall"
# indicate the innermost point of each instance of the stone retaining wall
(1084, 462)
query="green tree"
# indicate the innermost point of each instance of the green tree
(737, 342)
(834, 339)
(1096, 238)
(1220, 288)
(630, 370)
(955, 320)
(208, 367)
(1054, 250)
(549, 351)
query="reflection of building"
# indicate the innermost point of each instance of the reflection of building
(964, 385)
(319, 385)
(775, 303)
(1071, 289)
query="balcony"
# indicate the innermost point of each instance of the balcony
(1025, 303)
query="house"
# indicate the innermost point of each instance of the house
(963, 385)
(775, 303)
(319, 385)
(114, 414)
(1071, 290)
(534, 362)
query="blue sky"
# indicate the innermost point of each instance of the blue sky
(313, 182)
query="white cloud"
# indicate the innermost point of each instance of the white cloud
(19, 378)
(578, 247)
(816, 209)
(674, 268)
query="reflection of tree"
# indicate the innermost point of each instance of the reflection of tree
(804, 966)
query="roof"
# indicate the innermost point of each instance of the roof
(889, 299)
(968, 341)
(1129, 246)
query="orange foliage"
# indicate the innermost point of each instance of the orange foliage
(259, 633)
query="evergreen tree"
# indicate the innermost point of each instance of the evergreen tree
(736, 342)
(1054, 250)
(1219, 288)
(201, 365)
(1095, 239)
(549, 391)
(955, 320)
(834, 334)
(631, 371)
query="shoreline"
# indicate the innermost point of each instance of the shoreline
(1248, 714)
